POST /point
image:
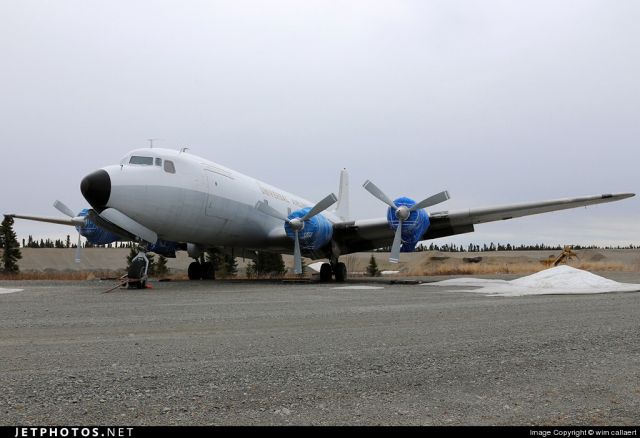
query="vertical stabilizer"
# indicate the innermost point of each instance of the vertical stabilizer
(342, 210)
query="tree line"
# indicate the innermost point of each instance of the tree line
(30, 242)
(472, 247)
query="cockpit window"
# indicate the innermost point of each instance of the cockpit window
(146, 161)
(158, 161)
(169, 167)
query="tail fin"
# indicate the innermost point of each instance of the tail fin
(342, 209)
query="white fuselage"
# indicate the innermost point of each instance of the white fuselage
(202, 202)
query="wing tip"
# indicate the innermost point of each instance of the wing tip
(617, 196)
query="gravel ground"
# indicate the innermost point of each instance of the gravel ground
(234, 353)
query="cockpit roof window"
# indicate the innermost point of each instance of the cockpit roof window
(146, 161)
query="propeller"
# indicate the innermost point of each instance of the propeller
(297, 223)
(402, 213)
(78, 220)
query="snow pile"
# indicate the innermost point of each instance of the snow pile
(9, 291)
(558, 280)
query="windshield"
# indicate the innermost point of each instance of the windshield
(147, 161)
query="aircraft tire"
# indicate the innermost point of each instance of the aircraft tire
(195, 271)
(340, 272)
(325, 272)
(208, 273)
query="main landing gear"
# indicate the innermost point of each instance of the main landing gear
(201, 271)
(335, 268)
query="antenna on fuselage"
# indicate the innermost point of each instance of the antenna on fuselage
(150, 140)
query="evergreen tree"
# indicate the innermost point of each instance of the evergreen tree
(213, 255)
(267, 263)
(372, 269)
(231, 265)
(228, 267)
(161, 266)
(11, 248)
(276, 264)
(132, 253)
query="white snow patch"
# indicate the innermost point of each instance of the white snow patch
(359, 287)
(553, 281)
(389, 272)
(9, 291)
(315, 266)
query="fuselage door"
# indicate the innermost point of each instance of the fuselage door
(215, 208)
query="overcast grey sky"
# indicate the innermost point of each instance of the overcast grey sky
(496, 101)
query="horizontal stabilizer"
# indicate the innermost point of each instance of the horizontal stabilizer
(51, 220)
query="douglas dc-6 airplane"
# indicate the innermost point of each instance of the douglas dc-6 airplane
(173, 200)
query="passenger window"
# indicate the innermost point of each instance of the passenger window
(169, 167)
(146, 161)
(158, 161)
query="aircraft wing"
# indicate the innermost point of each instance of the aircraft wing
(368, 234)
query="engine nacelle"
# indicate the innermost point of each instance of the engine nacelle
(413, 228)
(317, 231)
(164, 248)
(93, 233)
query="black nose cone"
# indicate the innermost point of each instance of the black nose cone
(96, 189)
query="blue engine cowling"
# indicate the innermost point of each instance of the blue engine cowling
(95, 234)
(413, 228)
(317, 231)
(99, 236)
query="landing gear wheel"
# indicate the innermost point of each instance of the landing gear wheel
(136, 270)
(340, 272)
(195, 271)
(325, 272)
(208, 273)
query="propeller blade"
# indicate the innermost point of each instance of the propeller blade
(79, 249)
(297, 257)
(270, 211)
(431, 200)
(327, 202)
(123, 221)
(63, 209)
(394, 257)
(375, 191)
